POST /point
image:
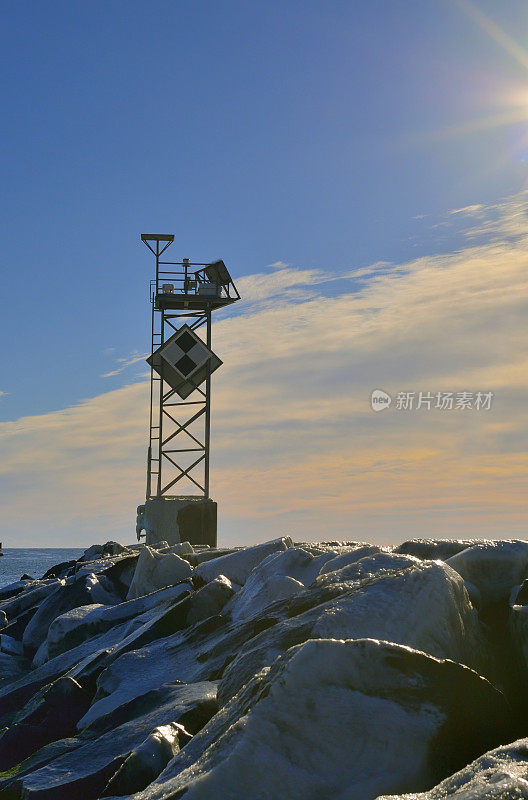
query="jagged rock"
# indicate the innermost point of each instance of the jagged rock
(3, 620)
(237, 566)
(432, 549)
(155, 571)
(145, 763)
(182, 549)
(121, 572)
(11, 667)
(493, 567)
(10, 646)
(501, 774)
(210, 553)
(520, 595)
(422, 604)
(51, 714)
(101, 550)
(18, 692)
(78, 591)
(278, 576)
(17, 625)
(60, 570)
(349, 557)
(386, 718)
(155, 657)
(13, 589)
(29, 597)
(83, 773)
(81, 623)
(26, 577)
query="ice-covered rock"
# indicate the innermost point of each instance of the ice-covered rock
(83, 622)
(182, 549)
(155, 571)
(493, 567)
(84, 773)
(343, 719)
(11, 667)
(10, 646)
(433, 549)
(100, 550)
(153, 657)
(51, 714)
(146, 761)
(424, 605)
(349, 557)
(238, 565)
(78, 591)
(30, 597)
(278, 576)
(501, 774)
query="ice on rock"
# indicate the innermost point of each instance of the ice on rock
(84, 773)
(278, 576)
(51, 714)
(349, 557)
(101, 550)
(145, 763)
(155, 571)
(153, 659)
(77, 591)
(81, 623)
(339, 719)
(238, 565)
(34, 594)
(493, 567)
(433, 549)
(422, 604)
(501, 774)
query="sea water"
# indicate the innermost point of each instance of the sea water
(34, 561)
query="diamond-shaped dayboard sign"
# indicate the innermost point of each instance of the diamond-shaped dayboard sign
(184, 361)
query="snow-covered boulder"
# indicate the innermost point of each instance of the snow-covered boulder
(155, 571)
(501, 774)
(493, 567)
(339, 719)
(423, 605)
(238, 565)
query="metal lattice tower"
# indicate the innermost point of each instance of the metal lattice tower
(183, 296)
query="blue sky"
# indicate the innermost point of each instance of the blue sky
(323, 136)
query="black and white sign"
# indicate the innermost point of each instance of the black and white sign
(184, 361)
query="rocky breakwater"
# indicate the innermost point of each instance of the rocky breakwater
(285, 670)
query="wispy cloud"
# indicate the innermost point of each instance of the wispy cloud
(124, 363)
(296, 447)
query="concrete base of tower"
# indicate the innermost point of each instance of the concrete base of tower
(178, 519)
